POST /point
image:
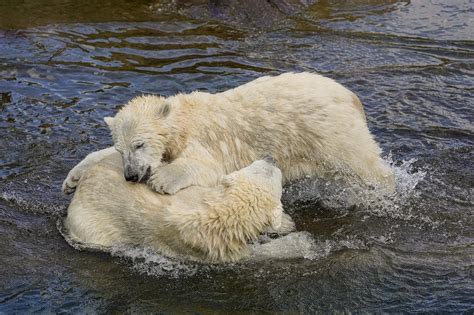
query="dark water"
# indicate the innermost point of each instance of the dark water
(66, 64)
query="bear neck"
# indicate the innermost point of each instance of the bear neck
(176, 127)
(206, 118)
(176, 143)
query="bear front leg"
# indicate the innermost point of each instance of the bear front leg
(195, 166)
(74, 175)
(286, 225)
(182, 173)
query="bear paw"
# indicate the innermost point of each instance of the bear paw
(169, 179)
(72, 180)
(287, 225)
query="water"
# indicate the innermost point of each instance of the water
(66, 64)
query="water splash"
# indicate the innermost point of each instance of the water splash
(402, 203)
(340, 198)
(143, 260)
(407, 178)
(32, 206)
(147, 261)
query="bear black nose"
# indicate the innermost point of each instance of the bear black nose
(131, 178)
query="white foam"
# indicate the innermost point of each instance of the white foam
(147, 261)
(32, 206)
(399, 204)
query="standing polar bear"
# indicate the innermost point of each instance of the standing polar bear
(204, 224)
(310, 124)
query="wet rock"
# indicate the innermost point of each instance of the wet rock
(5, 98)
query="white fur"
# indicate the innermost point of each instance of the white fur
(197, 223)
(312, 125)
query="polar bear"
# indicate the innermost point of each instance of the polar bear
(212, 225)
(310, 124)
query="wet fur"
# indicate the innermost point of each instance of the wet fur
(197, 223)
(312, 125)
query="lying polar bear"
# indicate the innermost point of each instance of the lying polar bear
(312, 125)
(197, 223)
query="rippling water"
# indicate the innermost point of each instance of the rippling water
(66, 64)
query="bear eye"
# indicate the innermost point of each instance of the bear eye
(138, 145)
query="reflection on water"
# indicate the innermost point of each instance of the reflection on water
(66, 64)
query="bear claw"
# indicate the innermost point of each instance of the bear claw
(70, 183)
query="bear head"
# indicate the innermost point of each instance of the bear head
(143, 131)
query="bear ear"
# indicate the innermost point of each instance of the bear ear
(109, 121)
(165, 110)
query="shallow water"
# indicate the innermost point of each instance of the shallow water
(66, 64)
